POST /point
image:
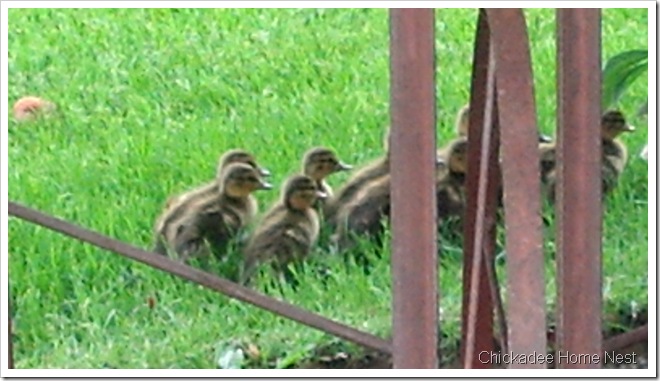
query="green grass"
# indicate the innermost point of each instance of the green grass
(149, 99)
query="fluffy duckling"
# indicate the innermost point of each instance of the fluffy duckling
(450, 183)
(370, 172)
(175, 206)
(214, 218)
(463, 121)
(365, 214)
(231, 156)
(614, 154)
(319, 163)
(288, 231)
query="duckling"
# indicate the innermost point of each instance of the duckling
(450, 182)
(288, 230)
(463, 121)
(215, 217)
(370, 172)
(320, 162)
(614, 154)
(176, 205)
(231, 156)
(365, 214)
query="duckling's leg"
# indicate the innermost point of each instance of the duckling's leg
(159, 246)
(188, 242)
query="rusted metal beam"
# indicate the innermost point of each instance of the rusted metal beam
(413, 157)
(521, 181)
(202, 278)
(579, 184)
(637, 335)
(481, 186)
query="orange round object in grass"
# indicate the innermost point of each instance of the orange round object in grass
(28, 107)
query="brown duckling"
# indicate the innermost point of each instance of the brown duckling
(366, 174)
(450, 183)
(176, 205)
(231, 156)
(614, 154)
(288, 230)
(367, 212)
(319, 163)
(215, 218)
(463, 121)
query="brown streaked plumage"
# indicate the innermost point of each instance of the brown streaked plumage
(288, 231)
(175, 205)
(370, 172)
(367, 212)
(214, 218)
(319, 163)
(450, 182)
(613, 152)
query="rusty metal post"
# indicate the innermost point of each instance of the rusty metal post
(521, 181)
(413, 157)
(481, 186)
(579, 210)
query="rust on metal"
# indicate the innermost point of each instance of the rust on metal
(637, 335)
(521, 181)
(479, 227)
(413, 168)
(202, 278)
(579, 211)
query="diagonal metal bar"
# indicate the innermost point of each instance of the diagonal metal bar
(202, 278)
(413, 161)
(521, 180)
(579, 211)
(623, 340)
(482, 176)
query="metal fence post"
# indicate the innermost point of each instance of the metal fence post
(413, 157)
(579, 210)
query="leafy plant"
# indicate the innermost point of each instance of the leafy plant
(620, 73)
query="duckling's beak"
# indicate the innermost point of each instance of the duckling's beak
(440, 161)
(321, 194)
(343, 166)
(629, 128)
(264, 172)
(266, 185)
(544, 138)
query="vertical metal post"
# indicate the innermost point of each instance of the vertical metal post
(578, 193)
(521, 181)
(481, 185)
(414, 256)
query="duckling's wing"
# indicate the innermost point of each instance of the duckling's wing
(354, 184)
(450, 197)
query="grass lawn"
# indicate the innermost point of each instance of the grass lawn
(149, 99)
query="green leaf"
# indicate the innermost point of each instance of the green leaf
(620, 72)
